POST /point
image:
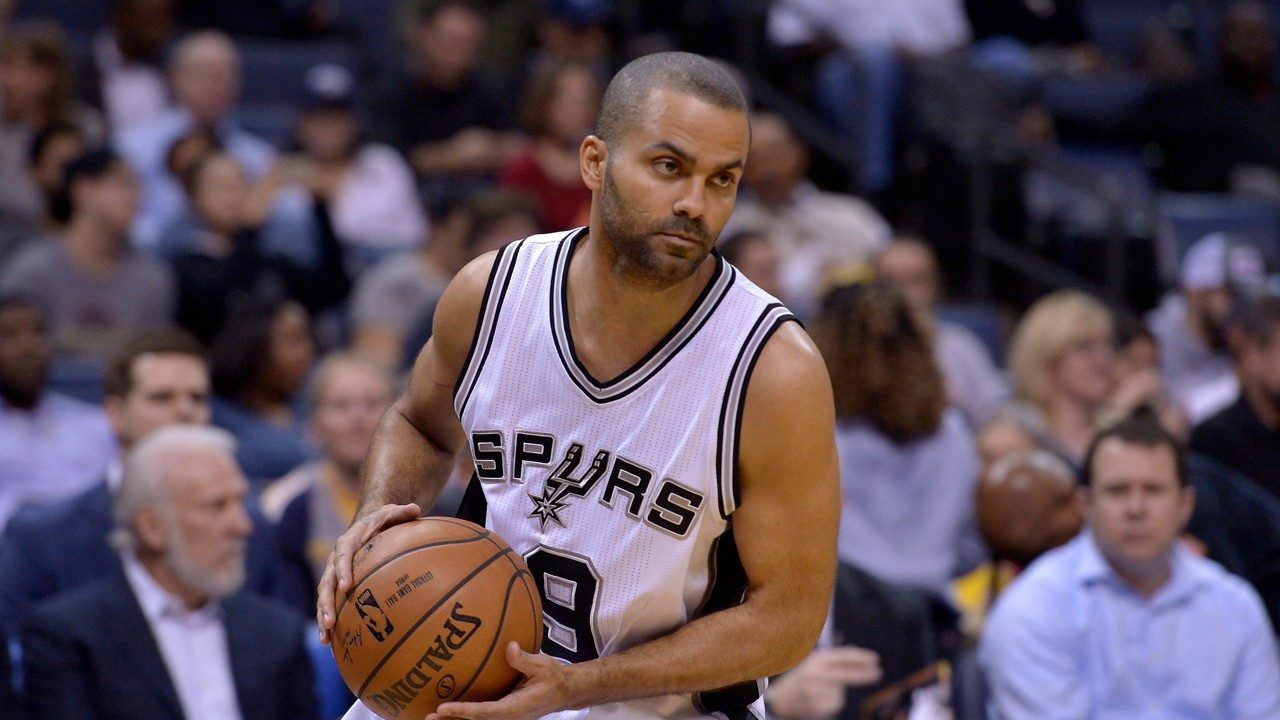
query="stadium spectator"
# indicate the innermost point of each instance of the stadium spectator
(1027, 506)
(816, 232)
(1211, 126)
(757, 258)
(392, 306)
(974, 384)
(1124, 619)
(439, 111)
(204, 78)
(262, 18)
(51, 446)
(1029, 41)
(815, 689)
(1246, 435)
(314, 504)
(260, 363)
(223, 258)
(903, 453)
(160, 378)
(560, 110)
(35, 92)
(1138, 363)
(1190, 325)
(51, 149)
(123, 73)
(97, 289)
(858, 86)
(1063, 363)
(174, 622)
(577, 32)
(368, 187)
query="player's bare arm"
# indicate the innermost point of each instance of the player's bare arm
(417, 439)
(785, 528)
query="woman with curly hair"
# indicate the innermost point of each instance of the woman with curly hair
(907, 461)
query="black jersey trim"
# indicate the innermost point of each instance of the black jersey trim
(487, 325)
(474, 506)
(715, 291)
(726, 588)
(729, 431)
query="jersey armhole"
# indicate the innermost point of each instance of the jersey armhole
(495, 292)
(729, 431)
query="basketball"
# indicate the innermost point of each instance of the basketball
(432, 607)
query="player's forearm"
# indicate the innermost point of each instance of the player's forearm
(741, 644)
(404, 465)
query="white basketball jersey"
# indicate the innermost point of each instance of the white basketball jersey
(618, 493)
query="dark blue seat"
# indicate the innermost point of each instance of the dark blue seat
(77, 17)
(983, 320)
(272, 71)
(1185, 218)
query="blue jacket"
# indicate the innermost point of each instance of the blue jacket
(50, 549)
(90, 655)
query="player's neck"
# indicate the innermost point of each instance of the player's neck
(615, 323)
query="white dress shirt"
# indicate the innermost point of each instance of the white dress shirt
(193, 645)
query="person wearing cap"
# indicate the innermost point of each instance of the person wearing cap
(1246, 434)
(369, 187)
(1190, 326)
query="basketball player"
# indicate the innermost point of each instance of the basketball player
(650, 430)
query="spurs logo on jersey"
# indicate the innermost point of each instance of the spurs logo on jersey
(671, 508)
(620, 494)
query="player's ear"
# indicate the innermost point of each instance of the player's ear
(592, 155)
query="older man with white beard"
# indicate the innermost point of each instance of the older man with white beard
(172, 637)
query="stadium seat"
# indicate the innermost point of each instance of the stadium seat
(1117, 26)
(1095, 102)
(273, 70)
(77, 17)
(983, 320)
(1185, 218)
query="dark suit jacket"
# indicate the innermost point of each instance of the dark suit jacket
(50, 549)
(8, 703)
(90, 655)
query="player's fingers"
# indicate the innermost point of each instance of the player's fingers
(464, 711)
(519, 660)
(324, 601)
(361, 532)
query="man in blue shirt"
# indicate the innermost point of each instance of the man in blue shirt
(1124, 621)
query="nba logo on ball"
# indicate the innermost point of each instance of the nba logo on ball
(374, 618)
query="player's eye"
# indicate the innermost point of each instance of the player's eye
(725, 181)
(666, 165)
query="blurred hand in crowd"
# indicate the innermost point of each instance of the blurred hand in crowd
(816, 687)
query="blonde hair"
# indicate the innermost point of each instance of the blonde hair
(1046, 333)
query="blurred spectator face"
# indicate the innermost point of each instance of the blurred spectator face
(1140, 354)
(1027, 505)
(571, 108)
(142, 27)
(1248, 46)
(573, 30)
(48, 165)
(910, 265)
(168, 389)
(1086, 371)
(1260, 365)
(448, 46)
(757, 258)
(219, 193)
(205, 77)
(351, 400)
(25, 354)
(503, 230)
(327, 135)
(202, 530)
(1136, 506)
(290, 353)
(190, 149)
(1209, 309)
(27, 81)
(999, 438)
(778, 162)
(110, 201)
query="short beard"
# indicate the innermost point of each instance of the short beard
(212, 583)
(629, 235)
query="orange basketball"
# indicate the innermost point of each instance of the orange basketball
(432, 608)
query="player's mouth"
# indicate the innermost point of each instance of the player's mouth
(681, 239)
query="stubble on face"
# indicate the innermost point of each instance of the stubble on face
(634, 241)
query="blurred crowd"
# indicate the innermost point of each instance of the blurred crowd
(224, 228)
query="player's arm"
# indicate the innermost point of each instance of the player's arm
(414, 445)
(785, 529)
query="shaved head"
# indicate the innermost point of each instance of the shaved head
(683, 72)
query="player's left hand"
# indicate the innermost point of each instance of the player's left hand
(545, 689)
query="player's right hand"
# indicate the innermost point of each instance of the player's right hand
(336, 581)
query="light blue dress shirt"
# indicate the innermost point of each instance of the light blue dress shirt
(1071, 640)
